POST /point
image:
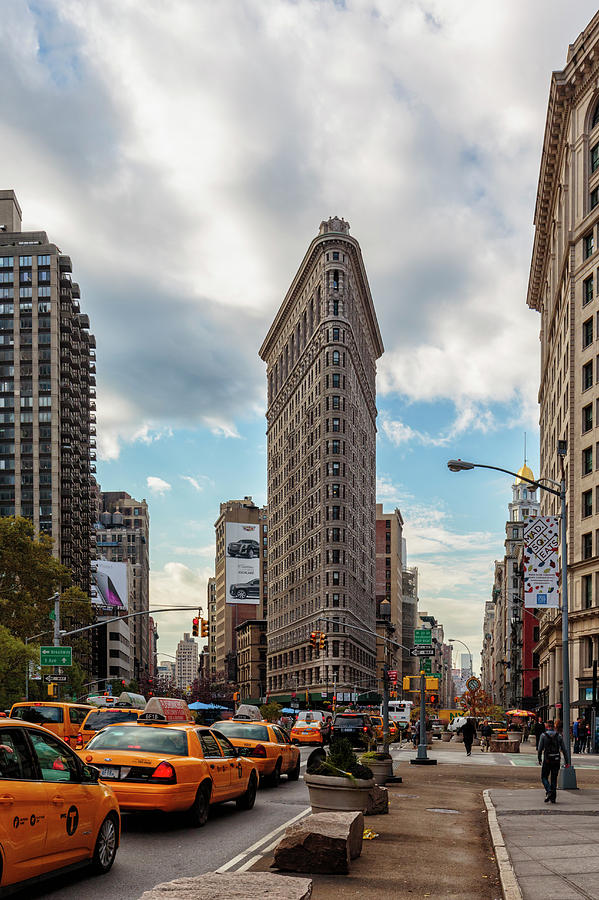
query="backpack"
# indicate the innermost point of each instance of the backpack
(551, 747)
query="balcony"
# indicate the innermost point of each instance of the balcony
(64, 264)
(76, 291)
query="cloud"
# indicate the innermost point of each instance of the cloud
(176, 584)
(445, 104)
(193, 482)
(157, 486)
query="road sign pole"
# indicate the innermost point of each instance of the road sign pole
(56, 640)
(422, 759)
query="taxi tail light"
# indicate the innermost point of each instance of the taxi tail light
(365, 728)
(259, 751)
(79, 742)
(164, 773)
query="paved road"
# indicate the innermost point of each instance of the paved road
(159, 848)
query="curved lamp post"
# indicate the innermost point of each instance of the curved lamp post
(464, 644)
(567, 775)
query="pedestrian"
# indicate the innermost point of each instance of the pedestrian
(416, 733)
(551, 745)
(485, 736)
(468, 731)
(539, 730)
(584, 735)
(576, 735)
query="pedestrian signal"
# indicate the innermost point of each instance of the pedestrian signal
(433, 699)
(406, 682)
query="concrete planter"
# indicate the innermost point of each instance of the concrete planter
(329, 792)
(382, 769)
(446, 737)
(459, 738)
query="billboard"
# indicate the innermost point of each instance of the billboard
(541, 563)
(109, 584)
(242, 563)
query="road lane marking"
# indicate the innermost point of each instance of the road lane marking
(263, 840)
(248, 865)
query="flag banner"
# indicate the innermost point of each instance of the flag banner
(541, 562)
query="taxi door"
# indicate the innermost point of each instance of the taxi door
(218, 766)
(71, 805)
(76, 716)
(285, 748)
(23, 808)
(237, 785)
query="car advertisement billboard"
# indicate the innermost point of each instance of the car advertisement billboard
(242, 548)
(109, 584)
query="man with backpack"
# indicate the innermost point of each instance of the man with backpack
(551, 744)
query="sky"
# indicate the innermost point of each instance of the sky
(184, 153)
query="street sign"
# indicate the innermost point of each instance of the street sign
(422, 651)
(56, 679)
(56, 656)
(427, 665)
(423, 636)
(392, 673)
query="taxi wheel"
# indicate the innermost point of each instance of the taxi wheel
(274, 779)
(198, 814)
(247, 800)
(294, 774)
(106, 845)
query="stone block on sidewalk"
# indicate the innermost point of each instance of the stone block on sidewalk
(233, 886)
(378, 801)
(321, 843)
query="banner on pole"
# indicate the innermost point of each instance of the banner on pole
(541, 563)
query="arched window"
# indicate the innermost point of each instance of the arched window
(595, 119)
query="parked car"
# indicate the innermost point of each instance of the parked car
(246, 548)
(358, 728)
(245, 589)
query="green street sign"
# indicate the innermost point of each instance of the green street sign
(423, 636)
(426, 665)
(52, 615)
(56, 656)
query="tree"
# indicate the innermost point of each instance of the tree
(271, 711)
(14, 657)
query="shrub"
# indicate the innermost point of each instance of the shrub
(341, 760)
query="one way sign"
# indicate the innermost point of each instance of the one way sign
(422, 651)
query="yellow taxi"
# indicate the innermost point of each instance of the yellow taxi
(54, 812)
(63, 719)
(310, 728)
(377, 721)
(122, 711)
(267, 745)
(166, 762)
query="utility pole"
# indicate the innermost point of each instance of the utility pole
(422, 759)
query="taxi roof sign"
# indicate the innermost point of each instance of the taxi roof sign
(166, 709)
(249, 713)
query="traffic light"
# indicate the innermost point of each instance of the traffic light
(195, 629)
(322, 641)
(52, 690)
(406, 682)
(314, 639)
(433, 699)
(204, 632)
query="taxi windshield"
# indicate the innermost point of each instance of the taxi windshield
(39, 715)
(247, 731)
(146, 738)
(102, 717)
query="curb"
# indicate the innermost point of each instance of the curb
(509, 883)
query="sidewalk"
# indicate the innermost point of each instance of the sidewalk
(553, 849)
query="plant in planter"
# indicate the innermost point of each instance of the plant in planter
(339, 781)
(381, 764)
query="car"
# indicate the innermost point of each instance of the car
(56, 813)
(165, 762)
(245, 589)
(266, 744)
(97, 719)
(325, 718)
(63, 719)
(307, 733)
(356, 727)
(246, 548)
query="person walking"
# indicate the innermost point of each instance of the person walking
(468, 730)
(576, 735)
(486, 732)
(539, 730)
(551, 745)
(584, 735)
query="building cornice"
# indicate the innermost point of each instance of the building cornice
(301, 276)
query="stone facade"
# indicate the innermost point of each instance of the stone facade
(389, 586)
(321, 354)
(251, 659)
(563, 288)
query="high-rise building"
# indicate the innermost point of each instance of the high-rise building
(123, 533)
(240, 581)
(186, 663)
(47, 392)
(321, 354)
(389, 586)
(211, 619)
(564, 288)
(409, 615)
(487, 662)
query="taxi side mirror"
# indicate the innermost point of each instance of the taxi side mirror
(90, 775)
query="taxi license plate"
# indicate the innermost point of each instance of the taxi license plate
(109, 771)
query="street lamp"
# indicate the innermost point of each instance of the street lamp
(464, 644)
(567, 775)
